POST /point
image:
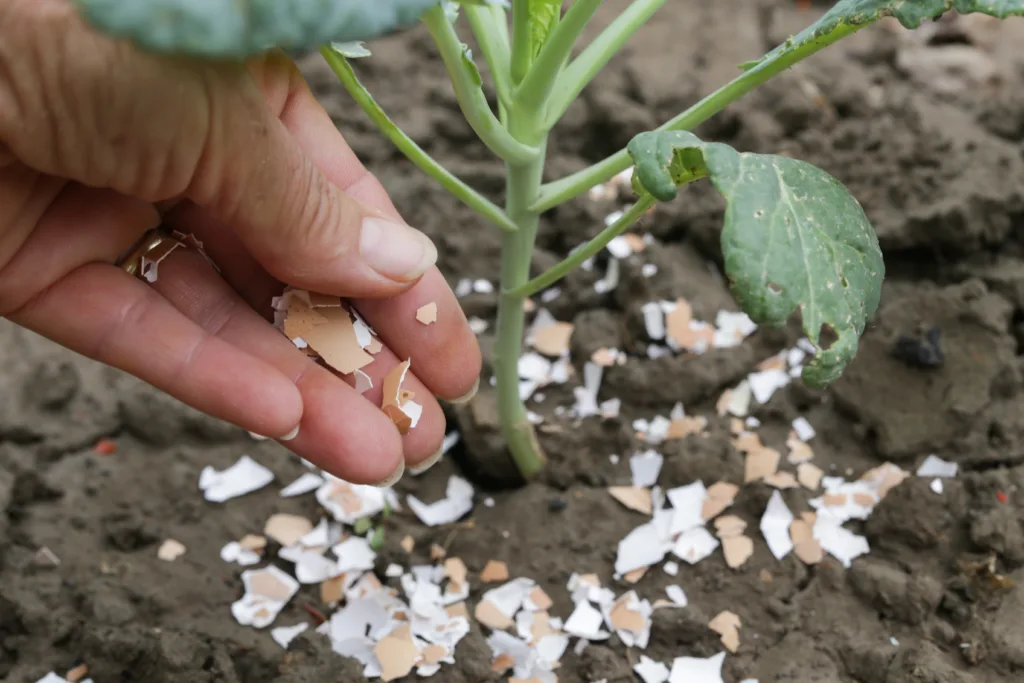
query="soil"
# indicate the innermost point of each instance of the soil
(936, 156)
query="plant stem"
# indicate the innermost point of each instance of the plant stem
(578, 256)
(409, 148)
(522, 40)
(536, 86)
(494, 45)
(523, 183)
(561, 191)
(593, 58)
(467, 84)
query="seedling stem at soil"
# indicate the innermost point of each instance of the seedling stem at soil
(793, 237)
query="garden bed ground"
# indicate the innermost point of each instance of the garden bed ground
(926, 129)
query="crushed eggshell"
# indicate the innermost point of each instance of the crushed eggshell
(333, 337)
(267, 591)
(645, 468)
(694, 545)
(245, 476)
(934, 466)
(781, 480)
(170, 550)
(651, 671)
(727, 625)
(697, 669)
(494, 571)
(397, 653)
(458, 501)
(809, 475)
(287, 529)
(805, 546)
(760, 464)
(799, 451)
(397, 404)
(775, 526)
(737, 550)
(77, 674)
(284, 635)
(305, 483)
(720, 496)
(633, 497)
(427, 313)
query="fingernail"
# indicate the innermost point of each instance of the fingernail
(468, 396)
(395, 250)
(393, 479)
(291, 435)
(428, 463)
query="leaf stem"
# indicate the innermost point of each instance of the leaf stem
(587, 250)
(595, 56)
(536, 87)
(522, 40)
(470, 94)
(409, 148)
(560, 191)
(494, 45)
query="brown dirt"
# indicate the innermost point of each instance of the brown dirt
(940, 172)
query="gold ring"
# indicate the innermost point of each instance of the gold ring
(142, 258)
(131, 261)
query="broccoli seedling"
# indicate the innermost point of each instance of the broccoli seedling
(794, 238)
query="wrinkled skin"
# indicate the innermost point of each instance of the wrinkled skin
(100, 142)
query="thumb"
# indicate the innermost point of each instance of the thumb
(255, 177)
(108, 115)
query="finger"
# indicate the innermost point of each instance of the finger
(445, 353)
(104, 314)
(300, 226)
(340, 431)
(79, 225)
(314, 131)
(423, 441)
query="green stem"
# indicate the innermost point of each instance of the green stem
(501, 30)
(523, 183)
(561, 191)
(578, 256)
(536, 87)
(467, 84)
(409, 148)
(494, 45)
(522, 40)
(583, 69)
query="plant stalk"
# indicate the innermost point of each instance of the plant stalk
(408, 147)
(578, 256)
(561, 191)
(523, 184)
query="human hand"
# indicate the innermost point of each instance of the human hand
(96, 135)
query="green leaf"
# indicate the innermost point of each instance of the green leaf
(794, 238)
(847, 16)
(544, 16)
(362, 525)
(474, 72)
(237, 29)
(377, 539)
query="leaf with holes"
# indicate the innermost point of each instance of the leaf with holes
(237, 29)
(794, 238)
